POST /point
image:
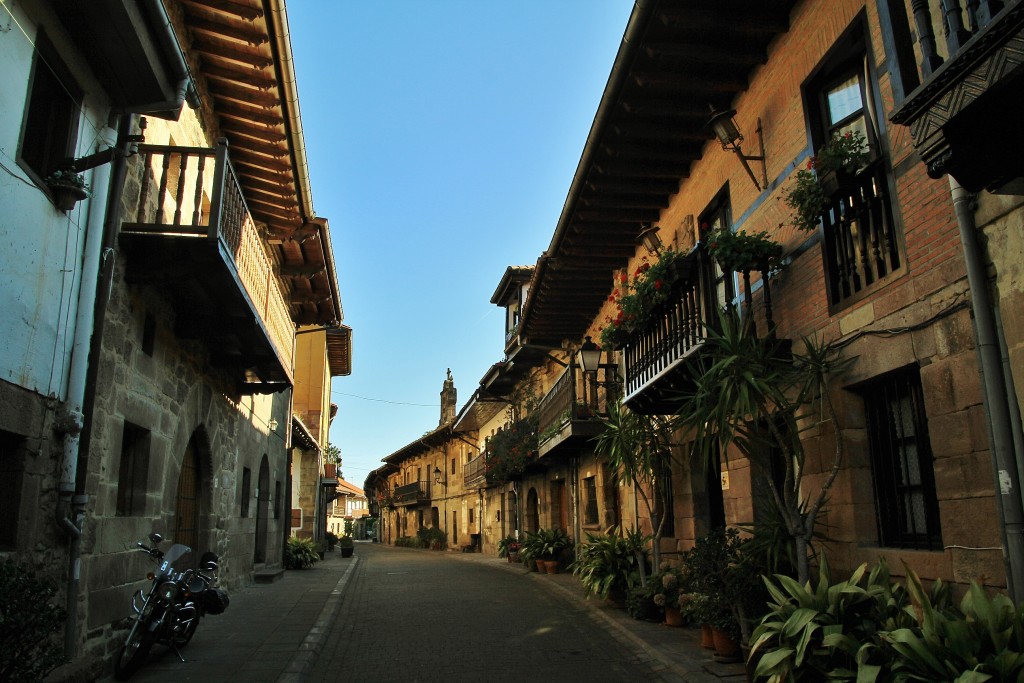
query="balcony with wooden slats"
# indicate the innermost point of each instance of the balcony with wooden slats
(961, 65)
(191, 235)
(416, 493)
(656, 358)
(569, 413)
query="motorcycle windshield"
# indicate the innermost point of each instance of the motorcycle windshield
(176, 552)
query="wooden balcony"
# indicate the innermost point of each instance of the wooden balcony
(474, 472)
(569, 413)
(191, 236)
(861, 244)
(656, 358)
(416, 493)
(965, 89)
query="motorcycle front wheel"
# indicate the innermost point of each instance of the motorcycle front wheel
(133, 653)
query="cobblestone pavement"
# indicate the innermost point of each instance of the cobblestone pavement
(420, 616)
(398, 614)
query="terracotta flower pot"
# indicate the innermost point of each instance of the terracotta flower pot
(673, 617)
(540, 566)
(551, 566)
(727, 649)
(707, 637)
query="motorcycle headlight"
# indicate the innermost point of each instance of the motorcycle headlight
(168, 591)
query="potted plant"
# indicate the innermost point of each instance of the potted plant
(744, 251)
(347, 546)
(67, 187)
(665, 589)
(508, 548)
(832, 168)
(332, 540)
(553, 543)
(530, 551)
(638, 297)
(510, 450)
(608, 566)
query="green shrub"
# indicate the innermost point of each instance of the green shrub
(608, 565)
(300, 553)
(431, 537)
(406, 542)
(28, 619)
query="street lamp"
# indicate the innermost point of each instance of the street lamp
(730, 137)
(439, 477)
(649, 237)
(589, 355)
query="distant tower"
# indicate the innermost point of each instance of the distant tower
(448, 399)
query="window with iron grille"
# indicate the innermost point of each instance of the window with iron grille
(590, 497)
(133, 473)
(862, 240)
(666, 505)
(901, 462)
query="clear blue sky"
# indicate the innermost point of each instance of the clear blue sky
(442, 138)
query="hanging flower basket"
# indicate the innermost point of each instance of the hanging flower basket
(67, 188)
(743, 252)
(832, 169)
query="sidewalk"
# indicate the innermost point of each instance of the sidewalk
(677, 650)
(273, 633)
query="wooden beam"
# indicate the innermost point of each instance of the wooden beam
(222, 91)
(233, 74)
(221, 48)
(241, 32)
(691, 83)
(238, 9)
(238, 110)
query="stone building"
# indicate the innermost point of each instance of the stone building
(917, 285)
(149, 358)
(423, 484)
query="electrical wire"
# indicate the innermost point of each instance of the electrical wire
(382, 400)
(894, 331)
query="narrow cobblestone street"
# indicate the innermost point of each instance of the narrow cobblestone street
(420, 616)
(397, 614)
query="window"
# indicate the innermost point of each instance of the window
(719, 216)
(11, 472)
(277, 500)
(50, 125)
(133, 472)
(901, 462)
(862, 244)
(453, 465)
(246, 490)
(667, 503)
(590, 500)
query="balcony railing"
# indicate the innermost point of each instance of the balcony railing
(574, 402)
(657, 354)
(956, 67)
(861, 245)
(412, 494)
(189, 196)
(474, 471)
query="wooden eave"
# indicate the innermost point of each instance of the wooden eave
(244, 56)
(678, 59)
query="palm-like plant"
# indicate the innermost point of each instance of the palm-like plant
(637, 448)
(752, 394)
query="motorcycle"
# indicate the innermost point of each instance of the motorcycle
(169, 612)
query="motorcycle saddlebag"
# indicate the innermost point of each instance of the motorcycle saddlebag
(215, 601)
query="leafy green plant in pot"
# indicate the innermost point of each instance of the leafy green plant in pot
(554, 544)
(826, 172)
(67, 187)
(346, 545)
(608, 566)
(508, 548)
(300, 553)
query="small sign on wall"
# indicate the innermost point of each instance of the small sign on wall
(725, 480)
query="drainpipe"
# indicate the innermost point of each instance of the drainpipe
(186, 89)
(997, 405)
(70, 511)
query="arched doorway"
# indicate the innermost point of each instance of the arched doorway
(262, 508)
(532, 511)
(188, 499)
